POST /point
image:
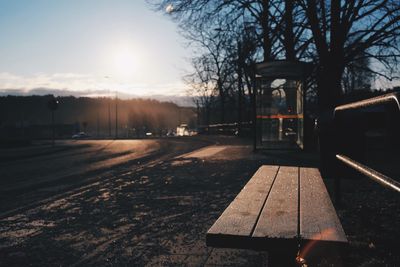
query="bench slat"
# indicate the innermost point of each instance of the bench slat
(270, 213)
(318, 219)
(239, 218)
(280, 214)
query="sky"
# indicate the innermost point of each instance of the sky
(90, 46)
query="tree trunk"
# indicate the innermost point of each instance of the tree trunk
(329, 87)
(240, 104)
(222, 100)
(266, 30)
(208, 114)
(240, 88)
(333, 65)
(289, 36)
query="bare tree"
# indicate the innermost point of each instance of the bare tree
(357, 75)
(213, 65)
(345, 31)
(202, 88)
(204, 15)
(333, 34)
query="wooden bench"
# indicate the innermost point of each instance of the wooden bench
(279, 209)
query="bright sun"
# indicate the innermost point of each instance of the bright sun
(125, 62)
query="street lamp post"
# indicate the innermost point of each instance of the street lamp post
(109, 114)
(240, 86)
(53, 105)
(116, 115)
(109, 110)
(98, 125)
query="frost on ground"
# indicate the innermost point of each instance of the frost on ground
(157, 213)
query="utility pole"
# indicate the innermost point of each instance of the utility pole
(53, 105)
(98, 125)
(198, 112)
(240, 86)
(109, 110)
(116, 115)
(179, 115)
(53, 129)
(109, 114)
(22, 125)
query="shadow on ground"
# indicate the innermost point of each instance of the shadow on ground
(157, 215)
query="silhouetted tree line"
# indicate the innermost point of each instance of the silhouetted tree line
(30, 117)
(349, 43)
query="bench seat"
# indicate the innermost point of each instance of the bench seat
(280, 207)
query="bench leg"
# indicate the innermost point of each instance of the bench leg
(338, 191)
(284, 259)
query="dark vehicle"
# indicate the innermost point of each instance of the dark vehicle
(80, 135)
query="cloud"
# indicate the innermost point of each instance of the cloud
(74, 82)
(50, 91)
(83, 84)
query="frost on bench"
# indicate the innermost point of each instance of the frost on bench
(279, 206)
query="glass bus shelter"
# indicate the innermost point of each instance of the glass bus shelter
(279, 105)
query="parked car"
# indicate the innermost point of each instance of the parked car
(80, 135)
(171, 133)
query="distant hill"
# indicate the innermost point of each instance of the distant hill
(183, 101)
(18, 114)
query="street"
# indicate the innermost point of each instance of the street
(143, 202)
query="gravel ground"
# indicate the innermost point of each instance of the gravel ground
(370, 215)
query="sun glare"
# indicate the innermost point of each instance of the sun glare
(125, 62)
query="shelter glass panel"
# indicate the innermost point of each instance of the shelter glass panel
(279, 114)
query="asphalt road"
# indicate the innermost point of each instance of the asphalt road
(117, 203)
(31, 175)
